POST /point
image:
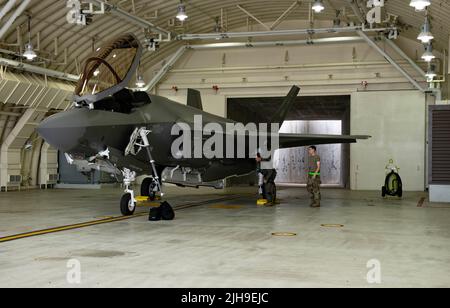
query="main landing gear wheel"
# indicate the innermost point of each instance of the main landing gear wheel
(127, 205)
(148, 187)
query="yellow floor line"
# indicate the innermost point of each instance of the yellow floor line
(68, 227)
(101, 221)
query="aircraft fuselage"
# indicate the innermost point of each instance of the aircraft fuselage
(84, 133)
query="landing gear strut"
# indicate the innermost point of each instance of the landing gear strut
(150, 186)
(128, 201)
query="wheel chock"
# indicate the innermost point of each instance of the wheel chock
(142, 199)
(262, 202)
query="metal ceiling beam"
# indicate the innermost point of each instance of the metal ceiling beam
(330, 40)
(38, 70)
(8, 6)
(164, 70)
(11, 114)
(253, 17)
(285, 14)
(357, 10)
(13, 17)
(212, 36)
(405, 56)
(390, 60)
(140, 22)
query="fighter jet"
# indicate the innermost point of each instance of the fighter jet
(128, 133)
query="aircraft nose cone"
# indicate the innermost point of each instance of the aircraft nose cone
(63, 131)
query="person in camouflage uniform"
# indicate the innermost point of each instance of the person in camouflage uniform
(314, 182)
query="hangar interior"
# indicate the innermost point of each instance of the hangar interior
(378, 68)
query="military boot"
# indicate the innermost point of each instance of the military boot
(315, 205)
(316, 200)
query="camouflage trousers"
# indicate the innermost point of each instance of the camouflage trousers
(313, 188)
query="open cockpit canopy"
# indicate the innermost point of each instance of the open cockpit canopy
(109, 68)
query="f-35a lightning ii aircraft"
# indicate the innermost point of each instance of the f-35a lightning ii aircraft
(128, 133)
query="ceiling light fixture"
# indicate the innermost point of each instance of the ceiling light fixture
(428, 56)
(420, 5)
(29, 52)
(318, 6)
(425, 35)
(140, 82)
(181, 15)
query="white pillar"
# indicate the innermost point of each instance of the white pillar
(48, 165)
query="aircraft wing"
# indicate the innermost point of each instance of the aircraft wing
(300, 140)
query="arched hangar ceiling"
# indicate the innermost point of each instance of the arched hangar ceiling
(49, 23)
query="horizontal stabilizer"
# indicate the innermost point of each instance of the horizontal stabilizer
(300, 140)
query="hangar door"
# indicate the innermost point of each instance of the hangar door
(309, 115)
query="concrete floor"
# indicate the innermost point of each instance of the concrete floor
(228, 244)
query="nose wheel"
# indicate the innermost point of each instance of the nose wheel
(128, 201)
(127, 205)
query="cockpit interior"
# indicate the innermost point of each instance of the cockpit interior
(105, 76)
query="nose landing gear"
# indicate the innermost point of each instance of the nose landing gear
(150, 186)
(128, 201)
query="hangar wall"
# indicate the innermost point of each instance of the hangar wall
(266, 71)
(396, 122)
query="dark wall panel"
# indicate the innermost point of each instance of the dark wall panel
(439, 145)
